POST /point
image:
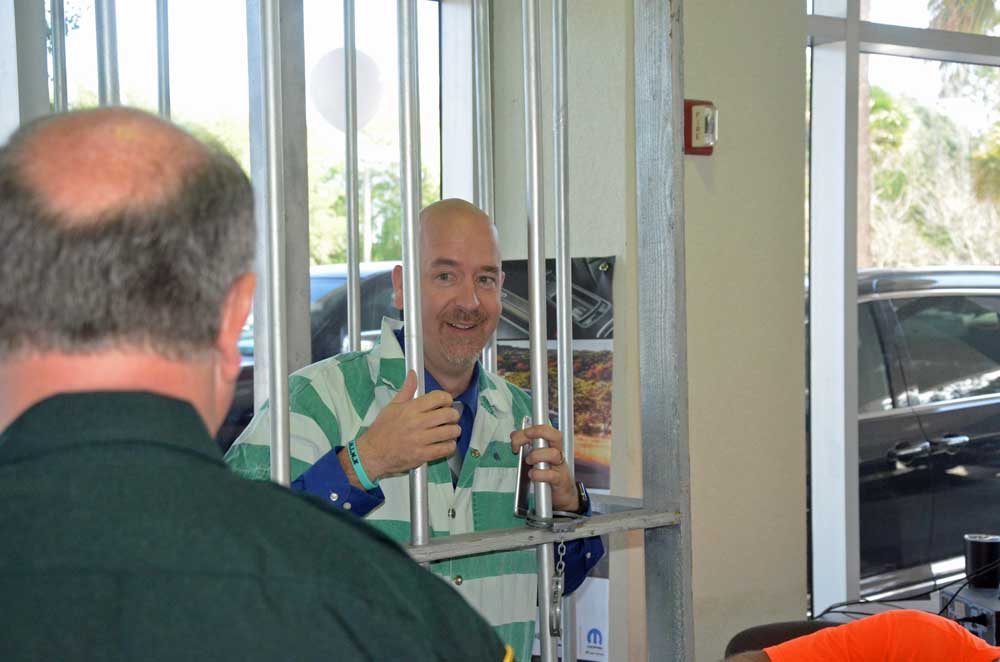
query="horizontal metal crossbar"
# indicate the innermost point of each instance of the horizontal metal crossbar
(499, 540)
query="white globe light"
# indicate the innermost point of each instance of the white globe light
(327, 85)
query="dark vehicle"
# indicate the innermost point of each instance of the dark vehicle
(929, 420)
(328, 321)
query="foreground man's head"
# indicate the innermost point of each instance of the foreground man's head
(123, 239)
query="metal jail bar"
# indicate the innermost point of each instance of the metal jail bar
(409, 163)
(482, 130)
(107, 53)
(163, 57)
(351, 177)
(564, 320)
(60, 97)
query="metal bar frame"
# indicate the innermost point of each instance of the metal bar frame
(409, 179)
(163, 57)
(482, 130)
(60, 97)
(564, 283)
(277, 375)
(107, 53)
(537, 304)
(351, 177)
(662, 317)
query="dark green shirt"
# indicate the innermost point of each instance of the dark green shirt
(123, 536)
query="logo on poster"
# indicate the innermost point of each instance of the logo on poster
(595, 638)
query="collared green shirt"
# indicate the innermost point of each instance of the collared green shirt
(125, 537)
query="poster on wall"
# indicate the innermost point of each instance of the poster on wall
(593, 361)
(593, 368)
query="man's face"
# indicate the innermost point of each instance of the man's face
(460, 287)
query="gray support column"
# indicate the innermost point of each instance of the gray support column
(833, 314)
(409, 178)
(662, 318)
(107, 53)
(278, 171)
(351, 178)
(163, 56)
(24, 88)
(60, 101)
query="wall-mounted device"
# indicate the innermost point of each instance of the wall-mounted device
(701, 126)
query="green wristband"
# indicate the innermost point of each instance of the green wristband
(352, 453)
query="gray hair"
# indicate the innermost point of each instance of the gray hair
(151, 276)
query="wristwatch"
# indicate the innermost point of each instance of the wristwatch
(581, 492)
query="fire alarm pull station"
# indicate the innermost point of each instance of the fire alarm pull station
(700, 126)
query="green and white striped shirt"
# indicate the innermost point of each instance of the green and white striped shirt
(337, 399)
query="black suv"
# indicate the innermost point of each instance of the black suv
(929, 419)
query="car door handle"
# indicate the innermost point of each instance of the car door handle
(909, 451)
(950, 443)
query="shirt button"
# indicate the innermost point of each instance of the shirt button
(587, 555)
(475, 453)
(451, 513)
(457, 579)
(334, 496)
(347, 505)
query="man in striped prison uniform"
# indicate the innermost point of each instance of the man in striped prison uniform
(356, 429)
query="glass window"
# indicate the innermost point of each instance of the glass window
(873, 380)
(954, 345)
(928, 163)
(973, 16)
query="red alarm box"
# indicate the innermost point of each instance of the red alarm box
(701, 126)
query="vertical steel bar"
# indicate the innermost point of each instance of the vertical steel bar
(163, 56)
(107, 53)
(60, 98)
(409, 162)
(482, 126)
(351, 177)
(276, 300)
(537, 304)
(564, 319)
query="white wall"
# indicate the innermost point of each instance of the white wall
(745, 263)
(744, 222)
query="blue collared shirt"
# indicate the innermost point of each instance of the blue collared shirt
(327, 480)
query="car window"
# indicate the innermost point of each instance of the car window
(321, 285)
(873, 379)
(954, 345)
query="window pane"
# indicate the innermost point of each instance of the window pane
(928, 163)
(378, 126)
(873, 382)
(954, 345)
(973, 16)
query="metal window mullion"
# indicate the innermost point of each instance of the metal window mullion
(658, 29)
(409, 179)
(833, 317)
(163, 57)
(60, 98)
(482, 90)
(537, 302)
(351, 177)
(107, 53)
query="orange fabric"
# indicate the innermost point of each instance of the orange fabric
(893, 636)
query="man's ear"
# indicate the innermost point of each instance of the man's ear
(234, 315)
(397, 287)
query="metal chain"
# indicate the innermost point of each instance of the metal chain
(561, 563)
(558, 584)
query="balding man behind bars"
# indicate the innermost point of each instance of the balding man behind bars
(126, 249)
(356, 430)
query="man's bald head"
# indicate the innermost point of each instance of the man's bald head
(454, 216)
(93, 163)
(117, 229)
